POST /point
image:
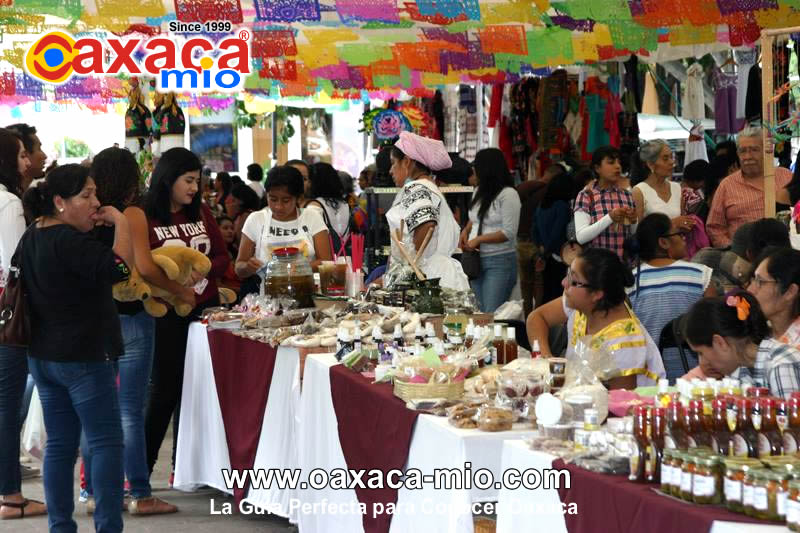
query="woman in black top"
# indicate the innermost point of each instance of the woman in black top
(76, 338)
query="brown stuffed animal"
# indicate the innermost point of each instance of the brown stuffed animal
(177, 262)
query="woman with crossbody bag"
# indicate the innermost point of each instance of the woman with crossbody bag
(328, 199)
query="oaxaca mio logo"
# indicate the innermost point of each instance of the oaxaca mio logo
(176, 66)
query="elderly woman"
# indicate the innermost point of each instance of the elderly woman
(421, 207)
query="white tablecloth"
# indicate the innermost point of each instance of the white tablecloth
(202, 447)
(518, 509)
(434, 444)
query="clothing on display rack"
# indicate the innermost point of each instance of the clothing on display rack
(745, 60)
(725, 121)
(694, 107)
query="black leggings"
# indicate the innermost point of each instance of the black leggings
(166, 381)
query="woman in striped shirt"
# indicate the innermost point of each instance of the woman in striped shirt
(666, 285)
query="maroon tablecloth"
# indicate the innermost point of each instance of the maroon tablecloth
(243, 373)
(623, 506)
(375, 431)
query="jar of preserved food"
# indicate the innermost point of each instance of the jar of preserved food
(780, 478)
(678, 457)
(767, 490)
(666, 471)
(687, 476)
(749, 483)
(289, 275)
(793, 506)
(707, 482)
(735, 471)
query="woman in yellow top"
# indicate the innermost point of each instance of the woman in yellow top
(594, 304)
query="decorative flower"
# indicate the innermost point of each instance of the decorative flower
(742, 306)
(389, 123)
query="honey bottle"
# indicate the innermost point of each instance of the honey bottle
(655, 448)
(791, 435)
(745, 439)
(511, 349)
(675, 435)
(498, 346)
(770, 441)
(641, 430)
(720, 432)
(698, 434)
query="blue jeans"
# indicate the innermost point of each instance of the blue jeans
(26, 398)
(138, 332)
(13, 371)
(498, 277)
(76, 395)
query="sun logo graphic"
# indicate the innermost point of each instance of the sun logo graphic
(50, 58)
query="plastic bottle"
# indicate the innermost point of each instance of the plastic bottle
(470, 338)
(357, 337)
(377, 338)
(511, 348)
(397, 337)
(498, 344)
(662, 397)
(537, 351)
(347, 344)
(430, 335)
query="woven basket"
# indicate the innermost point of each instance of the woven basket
(413, 391)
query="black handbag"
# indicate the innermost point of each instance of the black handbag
(14, 318)
(471, 259)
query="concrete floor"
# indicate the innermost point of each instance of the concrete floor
(193, 516)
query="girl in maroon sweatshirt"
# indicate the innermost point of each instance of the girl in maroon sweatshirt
(176, 217)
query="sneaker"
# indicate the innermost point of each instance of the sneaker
(29, 472)
(150, 506)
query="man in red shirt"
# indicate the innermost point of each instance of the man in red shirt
(740, 197)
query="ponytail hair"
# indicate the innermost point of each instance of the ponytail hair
(736, 315)
(65, 181)
(643, 245)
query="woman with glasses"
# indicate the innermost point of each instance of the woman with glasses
(594, 305)
(776, 286)
(665, 285)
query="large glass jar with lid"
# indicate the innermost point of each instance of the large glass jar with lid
(289, 275)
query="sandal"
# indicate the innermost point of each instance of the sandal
(21, 506)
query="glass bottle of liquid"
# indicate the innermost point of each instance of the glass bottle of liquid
(377, 338)
(720, 433)
(698, 432)
(745, 440)
(469, 339)
(655, 448)
(676, 436)
(511, 349)
(641, 429)
(536, 351)
(397, 337)
(791, 435)
(662, 396)
(770, 441)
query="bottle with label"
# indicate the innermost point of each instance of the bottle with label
(498, 346)
(511, 345)
(536, 352)
(641, 430)
(662, 396)
(696, 426)
(720, 433)
(791, 435)
(781, 414)
(377, 338)
(655, 448)
(470, 338)
(770, 441)
(419, 335)
(357, 345)
(430, 335)
(397, 337)
(456, 340)
(745, 439)
(346, 344)
(675, 435)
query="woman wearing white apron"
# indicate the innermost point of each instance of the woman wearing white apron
(282, 225)
(420, 206)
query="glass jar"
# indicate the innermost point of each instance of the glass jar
(780, 478)
(430, 297)
(687, 476)
(735, 470)
(793, 506)
(678, 458)
(760, 507)
(666, 471)
(766, 495)
(707, 483)
(749, 482)
(289, 275)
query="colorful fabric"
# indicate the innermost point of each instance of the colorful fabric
(777, 366)
(598, 203)
(630, 344)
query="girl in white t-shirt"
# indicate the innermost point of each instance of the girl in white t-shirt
(282, 225)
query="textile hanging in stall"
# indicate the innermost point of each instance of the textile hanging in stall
(694, 107)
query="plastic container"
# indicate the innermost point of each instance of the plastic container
(551, 411)
(579, 403)
(494, 419)
(289, 275)
(559, 431)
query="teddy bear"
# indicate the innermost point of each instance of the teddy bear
(177, 262)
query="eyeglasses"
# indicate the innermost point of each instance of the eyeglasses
(577, 284)
(759, 282)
